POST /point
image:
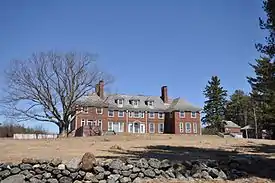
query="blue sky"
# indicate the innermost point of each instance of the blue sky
(144, 44)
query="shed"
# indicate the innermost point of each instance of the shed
(231, 127)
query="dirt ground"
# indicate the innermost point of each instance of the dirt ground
(160, 146)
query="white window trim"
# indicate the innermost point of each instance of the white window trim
(151, 117)
(141, 114)
(150, 103)
(136, 103)
(119, 100)
(193, 116)
(130, 114)
(118, 112)
(101, 111)
(159, 127)
(134, 115)
(162, 115)
(188, 131)
(83, 109)
(90, 122)
(120, 126)
(195, 127)
(153, 128)
(83, 121)
(181, 113)
(109, 113)
(110, 123)
(181, 127)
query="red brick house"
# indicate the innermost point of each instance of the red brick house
(136, 113)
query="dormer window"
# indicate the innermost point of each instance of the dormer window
(150, 103)
(135, 103)
(119, 102)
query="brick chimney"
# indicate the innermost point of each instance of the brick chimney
(100, 89)
(164, 94)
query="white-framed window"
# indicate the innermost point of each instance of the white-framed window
(136, 114)
(82, 122)
(90, 122)
(188, 127)
(120, 101)
(151, 115)
(130, 114)
(99, 111)
(110, 113)
(151, 128)
(161, 127)
(99, 123)
(150, 103)
(120, 113)
(116, 126)
(195, 127)
(182, 114)
(85, 109)
(181, 127)
(135, 103)
(141, 114)
(193, 114)
(161, 115)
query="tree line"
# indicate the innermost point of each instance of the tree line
(257, 107)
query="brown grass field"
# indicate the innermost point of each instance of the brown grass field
(162, 146)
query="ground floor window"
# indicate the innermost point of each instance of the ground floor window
(188, 127)
(181, 127)
(82, 122)
(151, 128)
(161, 127)
(99, 123)
(116, 126)
(195, 127)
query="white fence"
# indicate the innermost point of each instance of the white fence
(34, 136)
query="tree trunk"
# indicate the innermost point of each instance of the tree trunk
(63, 131)
(255, 121)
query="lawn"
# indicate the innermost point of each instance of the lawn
(162, 146)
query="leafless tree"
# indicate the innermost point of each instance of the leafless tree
(46, 86)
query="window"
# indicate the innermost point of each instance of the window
(161, 127)
(161, 115)
(171, 114)
(116, 126)
(151, 115)
(120, 113)
(195, 127)
(90, 122)
(193, 114)
(188, 127)
(111, 113)
(141, 114)
(99, 123)
(181, 127)
(130, 114)
(151, 127)
(182, 114)
(120, 101)
(85, 109)
(135, 103)
(99, 110)
(82, 122)
(136, 114)
(150, 103)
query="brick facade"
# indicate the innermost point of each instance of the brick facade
(138, 121)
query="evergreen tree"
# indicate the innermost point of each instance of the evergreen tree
(238, 109)
(214, 107)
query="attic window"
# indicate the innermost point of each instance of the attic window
(134, 102)
(120, 101)
(150, 103)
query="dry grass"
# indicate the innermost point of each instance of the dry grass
(116, 146)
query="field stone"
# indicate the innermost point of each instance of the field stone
(102, 181)
(126, 173)
(73, 164)
(140, 174)
(73, 175)
(133, 176)
(138, 180)
(14, 179)
(66, 172)
(107, 173)
(25, 166)
(65, 180)
(154, 163)
(116, 164)
(31, 161)
(39, 171)
(165, 164)
(15, 170)
(61, 167)
(77, 181)
(35, 180)
(38, 176)
(100, 176)
(88, 161)
(136, 170)
(214, 172)
(56, 171)
(81, 173)
(47, 175)
(142, 163)
(4, 173)
(59, 176)
(125, 180)
(56, 161)
(222, 175)
(98, 169)
(170, 173)
(114, 177)
(36, 166)
(150, 173)
(179, 176)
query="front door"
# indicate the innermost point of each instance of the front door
(116, 127)
(136, 127)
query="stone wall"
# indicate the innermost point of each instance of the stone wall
(34, 136)
(87, 169)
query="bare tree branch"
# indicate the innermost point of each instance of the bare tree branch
(46, 86)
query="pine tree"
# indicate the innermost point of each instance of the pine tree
(214, 107)
(238, 109)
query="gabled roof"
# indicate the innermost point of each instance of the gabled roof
(158, 105)
(180, 104)
(230, 124)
